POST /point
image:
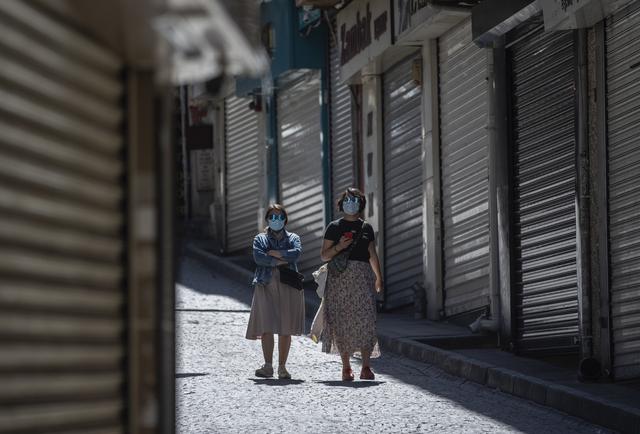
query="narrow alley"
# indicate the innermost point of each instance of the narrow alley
(216, 391)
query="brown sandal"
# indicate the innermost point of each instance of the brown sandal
(367, 374)
(347, 374)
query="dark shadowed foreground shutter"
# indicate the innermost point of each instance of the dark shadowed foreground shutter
(465, 170)
(402, 184)
(623, 117)
(62, 334)
(300, 164)
(343, 157)
(543, 99)
(241, 159)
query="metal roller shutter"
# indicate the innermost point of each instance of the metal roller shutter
(241, 172)
(543, 107)
(62, 325)
(402, 184)
(464, 170)
(300, 164)
(623, 116)
(342, 151)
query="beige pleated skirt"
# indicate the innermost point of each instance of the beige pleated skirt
(276, 308)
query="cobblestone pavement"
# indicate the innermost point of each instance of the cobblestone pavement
(216, 391)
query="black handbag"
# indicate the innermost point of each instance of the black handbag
(291, 277)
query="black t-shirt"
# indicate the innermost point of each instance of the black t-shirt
(360, 251)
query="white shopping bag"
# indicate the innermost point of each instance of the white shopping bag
(320, 276)
(318, 324)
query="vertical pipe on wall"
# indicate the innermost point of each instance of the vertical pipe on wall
(326, 142)
(494, 258)
(273, 190)
(185, 156)
(602, 199)
(431, 160)
(582, 197)
(165, 181)
(500, 158)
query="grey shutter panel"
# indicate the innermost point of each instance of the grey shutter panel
(623, 113)
(543, 100)
(343, 157)
(300, 164)
(464, 170)
(241, 173)
(402, 184)
(62, 324)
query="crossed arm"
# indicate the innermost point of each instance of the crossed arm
(271, 258)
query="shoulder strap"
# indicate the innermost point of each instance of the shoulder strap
(359, 236)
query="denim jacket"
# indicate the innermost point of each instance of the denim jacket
(289, 246)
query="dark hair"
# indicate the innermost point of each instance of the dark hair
(352, 191)
(277, 207)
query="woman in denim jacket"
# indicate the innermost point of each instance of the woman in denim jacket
(277, 308)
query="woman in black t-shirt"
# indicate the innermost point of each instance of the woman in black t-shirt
(349, 297)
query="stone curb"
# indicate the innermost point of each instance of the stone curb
(571, 401)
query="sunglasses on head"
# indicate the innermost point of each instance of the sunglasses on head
(276, 217)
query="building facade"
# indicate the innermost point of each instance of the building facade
(495, 143)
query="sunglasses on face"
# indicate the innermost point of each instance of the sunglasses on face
(276, 217)
(350, 199)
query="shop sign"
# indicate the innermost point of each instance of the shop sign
(576, 14)
(408, 13)
(364, 32)
(204, 169)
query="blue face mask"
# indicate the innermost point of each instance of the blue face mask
(351, 205)
(276, 222)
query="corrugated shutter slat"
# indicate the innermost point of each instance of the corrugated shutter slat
(543, 99)
(300, 167)
(62, 296)
(623, 109)
(465, 170)
(242, 177)
(403, 204)
(343, 158)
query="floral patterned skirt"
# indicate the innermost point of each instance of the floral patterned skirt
(350, 311)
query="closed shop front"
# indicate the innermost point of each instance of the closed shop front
(462, 75)
(545, 288)
(623, 131)
(300, 163)
(62, 274)
(343, 155)
(241, 173)
(403, 184)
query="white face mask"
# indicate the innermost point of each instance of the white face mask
(351, 207)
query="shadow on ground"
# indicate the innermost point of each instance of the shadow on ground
(276, 382)
(189, 375)
(351, 384)
(190, 274)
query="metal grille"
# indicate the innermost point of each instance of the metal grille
(623, 112)
(62, 291)
(543, 100)
(465, 170)
(300, 164)
(241, 187)
(342, 150)
(402, 185)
